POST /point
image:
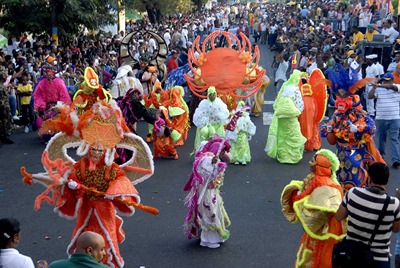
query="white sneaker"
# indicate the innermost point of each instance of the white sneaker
(15, 117)
(26, 130)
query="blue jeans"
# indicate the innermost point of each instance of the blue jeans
(391, 127)
(13, 104)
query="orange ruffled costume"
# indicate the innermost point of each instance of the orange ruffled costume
(314, 202)
(97, 213)
(179, 112)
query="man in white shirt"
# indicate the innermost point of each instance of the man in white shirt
(167, 37)
(390, 33)
(370, 72)
(184, 36)
(387, 116)
(280, 75)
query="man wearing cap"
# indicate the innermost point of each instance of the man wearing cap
(387, 115)
(370, 72)
(355, 64)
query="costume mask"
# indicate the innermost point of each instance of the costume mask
(343, 104)
(50, 73)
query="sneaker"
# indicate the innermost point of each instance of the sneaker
(244, 163)
(326, 118)
(26, 129)
(236, 163)
(15, 117)
(396, 164)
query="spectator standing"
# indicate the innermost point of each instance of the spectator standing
(387, 116)
(172, 62)
(10, 237)
(370, 72)
(362, 207)
(5, 113)
(24, 91)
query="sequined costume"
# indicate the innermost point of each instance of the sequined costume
(313, 202)
(98, 213)
(352, 130)
(94, 190)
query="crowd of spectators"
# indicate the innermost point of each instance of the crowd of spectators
(302, 36)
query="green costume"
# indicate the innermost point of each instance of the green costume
(285, 141)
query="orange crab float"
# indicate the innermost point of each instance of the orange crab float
(232, 71)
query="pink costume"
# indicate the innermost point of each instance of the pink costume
(50, 91)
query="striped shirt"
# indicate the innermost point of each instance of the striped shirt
(387, 104)
(363, 206)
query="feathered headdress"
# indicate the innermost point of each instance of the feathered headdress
(341, 82)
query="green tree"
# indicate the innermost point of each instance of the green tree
(35, 16)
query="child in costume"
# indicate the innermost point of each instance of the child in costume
(351, 129)
(179, 113)
(94, 189)
(285, 141)
(244, 129)
(314, 202)
(207, 217)
(210, 117)
(163, 132)
(155, 99)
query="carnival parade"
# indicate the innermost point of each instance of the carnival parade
(248, 134)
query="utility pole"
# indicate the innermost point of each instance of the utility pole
(54, 22)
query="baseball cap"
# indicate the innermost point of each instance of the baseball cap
(349, 53)
(388, 76)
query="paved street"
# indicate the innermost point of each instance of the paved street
(260, 235)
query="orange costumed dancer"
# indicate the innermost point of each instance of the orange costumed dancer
(94, 189)
(315, 98)
(163, 131)
(179, 113)
(313, 202)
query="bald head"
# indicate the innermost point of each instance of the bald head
(91, 243)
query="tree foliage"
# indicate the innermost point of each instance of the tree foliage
(35, 16)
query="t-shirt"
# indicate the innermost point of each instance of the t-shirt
(364, 206)
(11, 258)
(387, 104)
(25, 100)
